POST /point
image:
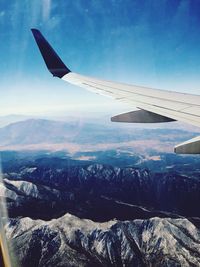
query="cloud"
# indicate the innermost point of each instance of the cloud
(86, 158)
(2, 13)
(2, 16)
(46, 9)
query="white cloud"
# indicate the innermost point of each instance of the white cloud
(2, 13)
(46, 9)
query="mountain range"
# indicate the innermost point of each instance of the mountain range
(70, 241)
(85, 195)
(69, 213)
(76, 136)
(96, 191)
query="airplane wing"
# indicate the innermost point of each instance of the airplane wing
(154, 105)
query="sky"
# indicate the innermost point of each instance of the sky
(144, 42)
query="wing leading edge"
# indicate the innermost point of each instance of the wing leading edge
(155, 105)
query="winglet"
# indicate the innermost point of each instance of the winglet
(52, 60)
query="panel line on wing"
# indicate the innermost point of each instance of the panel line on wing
(146, 103)
(169, 113)
(178, 116)
(143, 95)
(99, 89)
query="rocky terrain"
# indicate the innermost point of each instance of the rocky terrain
(47, 188)
(135, 217)
(99, 201)
(70, 241)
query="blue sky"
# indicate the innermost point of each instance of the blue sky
(146, 42)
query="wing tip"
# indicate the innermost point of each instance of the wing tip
(34, 30)
(53, 62)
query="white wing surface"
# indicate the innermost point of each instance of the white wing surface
(155, 105)
(177, 106)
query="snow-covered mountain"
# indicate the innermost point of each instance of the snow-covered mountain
(96, 191)
(135, 217)
(70, 241)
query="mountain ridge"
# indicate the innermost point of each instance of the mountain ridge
(57, 135)
(69, 241)
(98, 191)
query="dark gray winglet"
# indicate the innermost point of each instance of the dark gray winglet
(52, 60)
